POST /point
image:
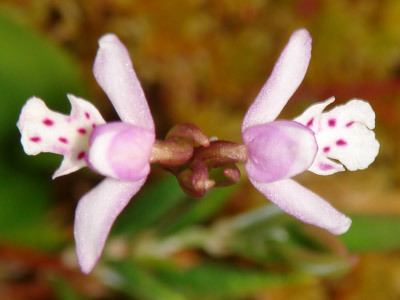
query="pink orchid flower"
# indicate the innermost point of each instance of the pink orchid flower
(279, 150)
(119, 150)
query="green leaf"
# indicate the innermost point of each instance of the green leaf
(200, 210)
(64, 291)
(373, 233)
(23, 213)
(220, 281)
(31, 65)
(328, 265)
(149, 206)
(141, 284)
(266, 235)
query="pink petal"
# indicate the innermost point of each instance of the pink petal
(278, 150)
(95, 214)
(121, 150)
(286, 76)
(115, 74)
(303, 204)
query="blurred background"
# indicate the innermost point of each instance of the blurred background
(202, 62)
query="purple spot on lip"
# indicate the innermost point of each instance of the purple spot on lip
(48, 122)
(310, 122)
(63, 140)
(81, 155)
(349, 124)
(326, 149)
(325, 167)
(332, 122)
(82, 130)
(87, 115)
(35, 139)
(341, 142)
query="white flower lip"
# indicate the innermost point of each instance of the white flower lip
(344, 134)
(43, 130)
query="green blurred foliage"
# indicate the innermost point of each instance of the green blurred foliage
(206, 281)
(165, 206)
(141, 284)
(64, 291)
(24, 204)
(29, 65)
(198, 211)
(373, 233)
(149, 207)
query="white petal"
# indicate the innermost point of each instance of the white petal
(114, 72)
(355, 110)
(37, 137)
(95, 214)
(311, 116)
(325, 166)
(68, 166)
(82, 109)
(344, 134)
(355, 147)
(285, 78)
(43, 130)
(303, 204)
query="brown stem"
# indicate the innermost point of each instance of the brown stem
(190, 156)
(221, 156)
(195, 181)
(221, 153)
(177, 148)
(190, 133)
(171, 153)
(225, 176)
